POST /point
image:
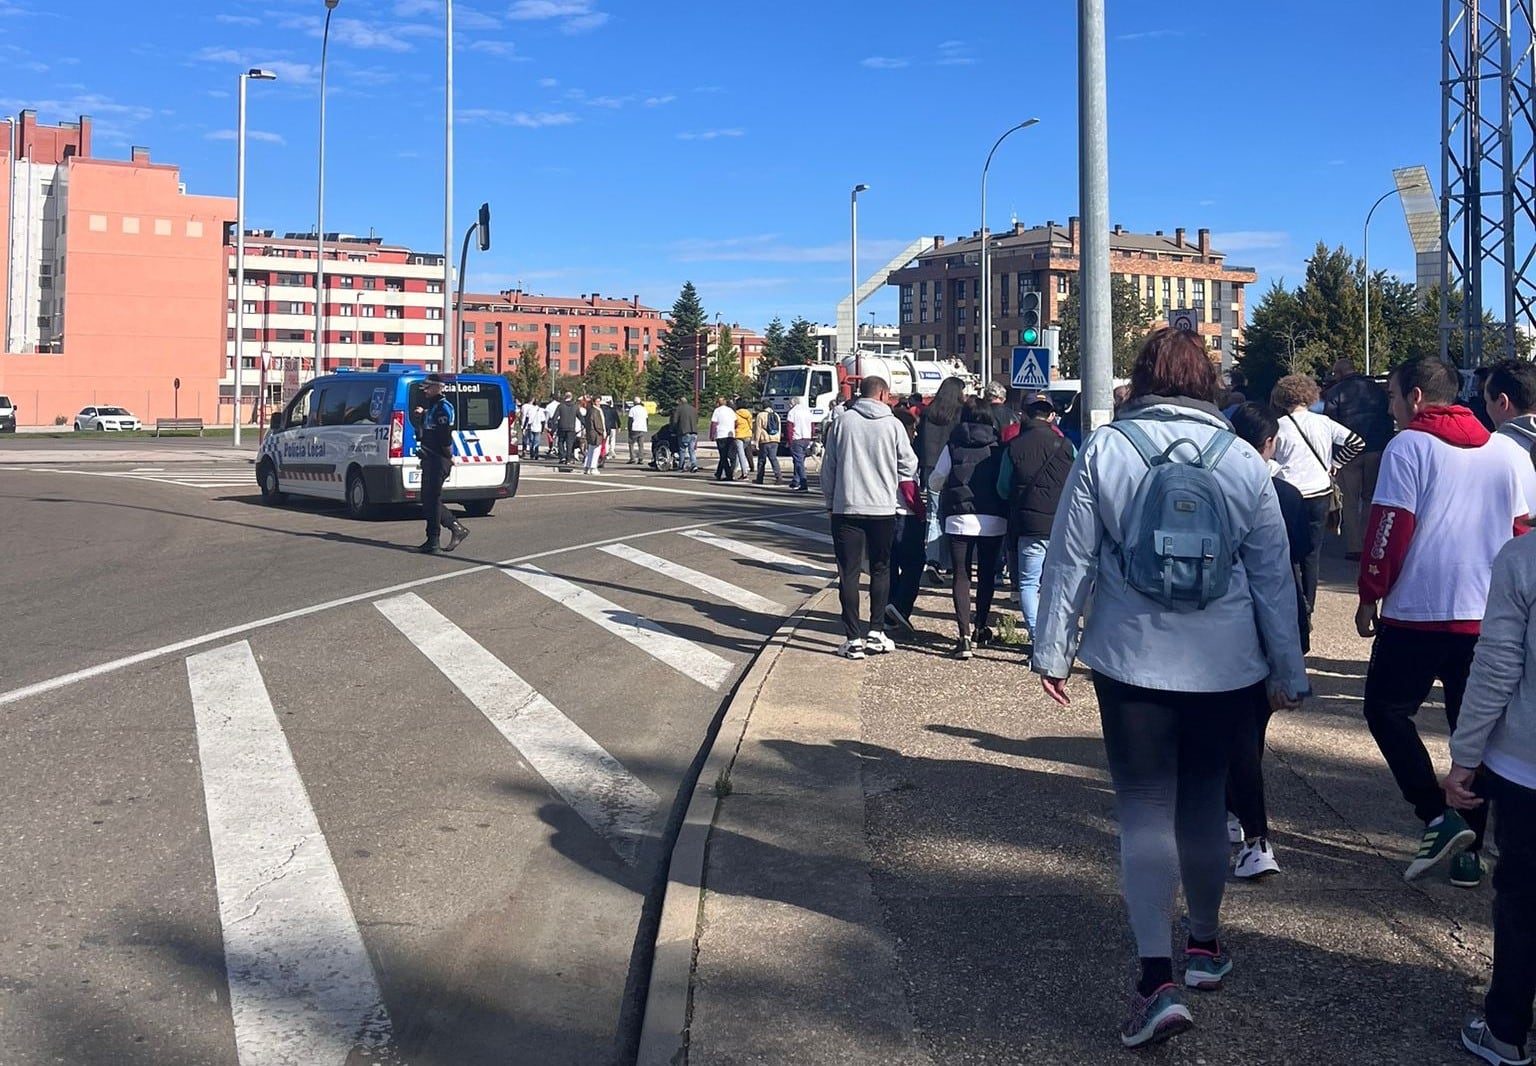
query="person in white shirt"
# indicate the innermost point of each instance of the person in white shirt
(798, 435)
(638, 418)
(1309, 450)
(534, 419)
(1509, 394)
(722, 430)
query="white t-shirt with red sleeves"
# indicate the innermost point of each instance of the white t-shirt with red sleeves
(1464, 502)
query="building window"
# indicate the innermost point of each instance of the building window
(975, 287)
(434, 312)
(368, 311)
(1003, 290)
(906, 303)
(291, 335)
(434, 339)
(344, 282)
(391, 312)
(394, 338)
(394, 285)
(344, 310)
(1061, 284)
(1183, 293)
(434, 286)
(470, 327)
(1003, 338)
(370, 283)
(130, 224)
(248, 306)
(960, 344)
(367, 336)
(1167, 292)
(554, 349)
(1216, 343)
(297, 308)
(344, 338)
(490, 346)
(573, 331)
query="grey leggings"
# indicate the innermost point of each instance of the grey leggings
(1168, 754)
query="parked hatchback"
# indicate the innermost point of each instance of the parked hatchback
(7, 415)
(104, 418)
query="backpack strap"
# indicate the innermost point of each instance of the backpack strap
(1216, 450)
(1140, 441)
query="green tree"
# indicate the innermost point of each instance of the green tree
(667, 379)
(612, 375)
(529, 379)
(773, 354)
(569, 383)
(799, 344)
(725, 377)
(1130, 321)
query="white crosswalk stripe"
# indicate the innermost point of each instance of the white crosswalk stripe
(617, 805)
(684, 656)
(824, 539)
(746, 550)
(301, 986)
(721, 590)
(231, 475)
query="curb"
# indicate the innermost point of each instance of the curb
(664, 1029)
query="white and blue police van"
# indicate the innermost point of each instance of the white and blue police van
(351, 436)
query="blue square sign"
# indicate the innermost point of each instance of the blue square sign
(1031, 368)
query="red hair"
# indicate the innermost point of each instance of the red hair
(1173, 362)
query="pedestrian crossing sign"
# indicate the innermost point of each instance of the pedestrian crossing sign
(1031, 368)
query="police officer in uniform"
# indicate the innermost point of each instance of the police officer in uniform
(435, 447)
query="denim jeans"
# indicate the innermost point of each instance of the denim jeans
(689, 442)
(797, 462)
(768, 455)
(1031, 561)
(739, 464)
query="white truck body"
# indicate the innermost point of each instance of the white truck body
(817, 383)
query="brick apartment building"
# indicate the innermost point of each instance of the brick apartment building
(940, 290)
(748, 344)
(567, 332)
(111, 278)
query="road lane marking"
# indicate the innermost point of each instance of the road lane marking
(74, 677)
(618, 806)
(686, 657)
(301, 987)
(762, 555)
(721, 590)
(824, 539)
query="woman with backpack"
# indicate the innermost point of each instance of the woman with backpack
(938, 421)
(975, 518)
(1169, 540)
(767, 428)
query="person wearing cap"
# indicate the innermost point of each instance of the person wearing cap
(638, 417)
(435, 448)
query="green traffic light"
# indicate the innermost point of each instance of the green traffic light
(1030, 336)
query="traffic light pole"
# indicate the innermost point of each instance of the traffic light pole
(1097, 344)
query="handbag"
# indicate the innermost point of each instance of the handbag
(1335, 523)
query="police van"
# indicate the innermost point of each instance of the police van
(351, 436)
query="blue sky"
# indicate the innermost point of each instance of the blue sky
(628, 146)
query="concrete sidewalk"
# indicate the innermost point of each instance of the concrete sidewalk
(915, 861)
(128, 453)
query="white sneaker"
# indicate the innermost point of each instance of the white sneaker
(1256, 860)
(851, 649)
(1234, 830)
(877, 643)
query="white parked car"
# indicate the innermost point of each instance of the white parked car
(104, 418)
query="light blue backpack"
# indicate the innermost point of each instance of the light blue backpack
(1179, 546)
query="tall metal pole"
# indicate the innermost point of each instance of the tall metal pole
(239, 360)
(1093, 177)
(853, 287)
(986, 274)
(325, 41)
(1367, 243)
(450, 323)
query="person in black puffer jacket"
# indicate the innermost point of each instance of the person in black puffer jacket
(1360, 405)
(1031, 476)
(938, 421)
(975, 518)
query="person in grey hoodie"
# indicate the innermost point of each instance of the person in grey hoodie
(868, 464)
(1170, 709)
(1493, 753)
(1509, 391)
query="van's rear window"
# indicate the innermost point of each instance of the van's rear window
(477, 404)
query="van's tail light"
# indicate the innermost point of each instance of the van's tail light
(512, 438)
(397, 435)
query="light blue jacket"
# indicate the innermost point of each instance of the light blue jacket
(1247, 636)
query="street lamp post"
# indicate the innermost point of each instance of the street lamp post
(853, 290)
(986, 273)
(1368, 214)
(259, 75)
(450, 327)
(325, 41)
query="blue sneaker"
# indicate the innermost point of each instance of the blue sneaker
(1205, 969)
(1155, 1018)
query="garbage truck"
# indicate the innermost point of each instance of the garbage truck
(821, 384)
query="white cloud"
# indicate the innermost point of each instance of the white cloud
(884, 63)
(287, 72)
(502, 49)
(613, 102)
(1239, 241)
(709, 135)
(265, 136)
(575, 16)
(237, 20)
(355, 33)
(769, 248)
(657, 101)
(953, 54)
(112, 122)
(1151, 35)
(520, 119)
(548, 83)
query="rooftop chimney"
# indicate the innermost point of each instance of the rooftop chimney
(1075, 233)
(1119, 229)
(636, 301)
(1205, 241)
(938, 240)
(1157, 233)
(139, 154)
(1178, 236)
(1018, 228)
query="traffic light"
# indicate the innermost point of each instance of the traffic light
(1029, 311)
(483, 222)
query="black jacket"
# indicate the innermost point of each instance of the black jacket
(685, 419)
(1298, 531)
(1359, 404)
(971, 487)
(930, 442)
(1041, 458)
(567, 416)
(435, 435)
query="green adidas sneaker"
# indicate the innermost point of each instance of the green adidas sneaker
(1443, 841)
(1467, 870)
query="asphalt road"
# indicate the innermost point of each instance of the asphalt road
(278, 789)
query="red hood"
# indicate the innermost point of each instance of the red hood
(1453, 424)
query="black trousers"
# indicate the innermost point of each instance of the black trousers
(434, 471)
(1317, 519)
(569, 446)
(725, 468)
(1245, 772)
(855, 538)
(907, 561)
(1405, 664)
(986, 551)
(1508, 1004)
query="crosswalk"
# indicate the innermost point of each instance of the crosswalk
(302, 979)
(212, 474)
